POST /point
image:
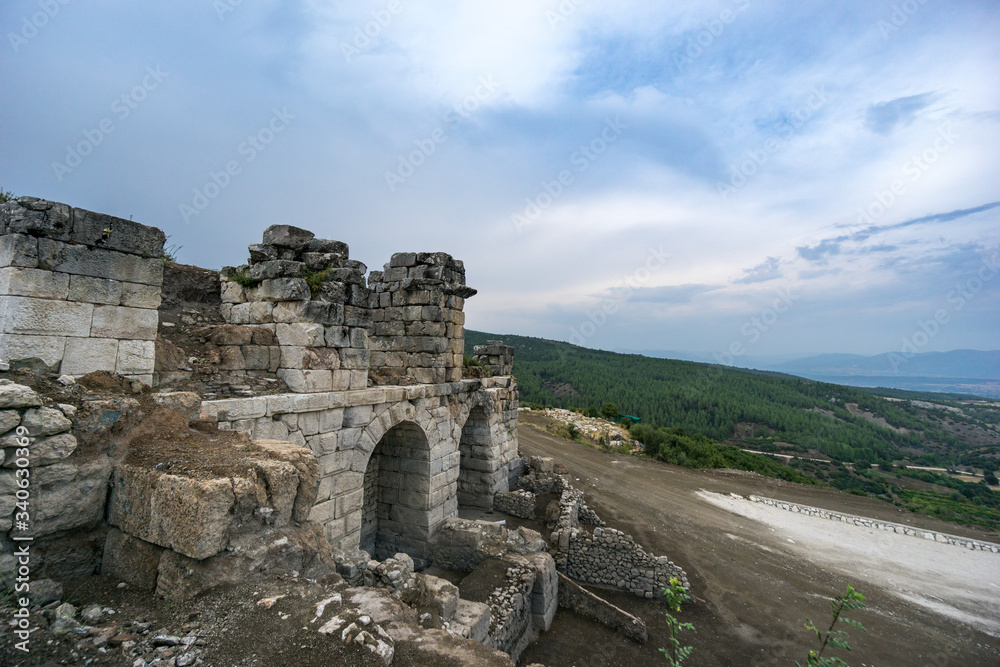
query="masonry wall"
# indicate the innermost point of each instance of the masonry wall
(344, 428)
(78, 290)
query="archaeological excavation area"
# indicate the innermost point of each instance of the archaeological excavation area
(299, 433)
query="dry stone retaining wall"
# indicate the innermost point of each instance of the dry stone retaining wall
(78, 290)
(520, 503)
(889, 526)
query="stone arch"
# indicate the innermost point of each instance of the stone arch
(396, 506)
(478, 467)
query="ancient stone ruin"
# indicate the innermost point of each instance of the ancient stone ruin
(297, 414)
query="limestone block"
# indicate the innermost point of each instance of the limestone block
(45, 421)
(260, 312)
(135, 357)
(15, 396)
(327, 246)
(300, 334)
(284, 289)
(306, 466)
(439, 595)
(47, 451)
(337, 336)
(131, 560)
(232, 292)
(107, 231)
(95, 290)
(287, 236)
(18, 250)
(44, 317)
(125, 323)
(37, 217)
(137, 295)
(304, 382)
(47, 348)
(276, 269)
(261, 252)
(80, 485)
(232, 359)
(18, 281)
(9, 419)
(473, 618)
(85, 355)
(189, 516)
(98, 263)
(256, 357)
(187, 403)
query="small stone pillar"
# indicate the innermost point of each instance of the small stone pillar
(78, 290)
(313, 298)
(418, 323)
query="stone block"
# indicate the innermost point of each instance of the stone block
(18, 281)
(80, 485)
(232, 292)
(124, 323)
(44, 317)
(98, 263)
(47, 451)
(85, 355)
(37, 217)
(131, 560)
(18, 250)
(95, 290)
(327, 246)
(137, 295)
(192, 517)
(287, 236)
(276, 269)
(47, 348)
(305, 382)
(300, 334)
(284, 289)
(45, 421)
(135, 357)
(99, 229)
(438, 595)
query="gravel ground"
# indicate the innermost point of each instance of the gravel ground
(755, 589)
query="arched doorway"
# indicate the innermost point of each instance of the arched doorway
(476, 482)
(396, 511)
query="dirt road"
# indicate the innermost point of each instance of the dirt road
(757, 579)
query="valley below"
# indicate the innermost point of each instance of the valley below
(758, 572)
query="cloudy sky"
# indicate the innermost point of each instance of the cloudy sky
(765, 178)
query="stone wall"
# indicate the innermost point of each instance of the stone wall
(579, 599)
(496, 356)
(889, 526)
(601, 556)
(78, 290)
(313, 300)
(344, 429)
(37, 479)
(520, 503)
(418, 324)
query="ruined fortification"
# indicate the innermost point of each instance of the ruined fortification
(297, 413)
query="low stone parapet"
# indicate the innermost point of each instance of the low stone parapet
(519, 503)
(876, 524)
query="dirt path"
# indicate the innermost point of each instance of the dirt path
(755, 587)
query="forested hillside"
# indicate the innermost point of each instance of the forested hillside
(775, 412)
